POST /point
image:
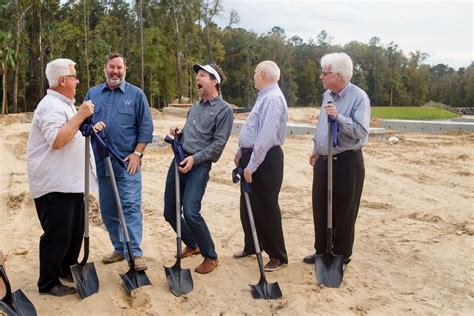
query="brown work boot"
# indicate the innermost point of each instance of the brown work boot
(140, 264)
(208, 265)
(188, 252)
(113, 257)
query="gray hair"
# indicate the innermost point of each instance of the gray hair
(270, 68)
(56, 69)
(339, 63)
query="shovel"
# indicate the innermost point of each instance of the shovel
(263, 289)
(179, 280)
(15, 303)
(329, 267)
(133, 279)
(84, 273)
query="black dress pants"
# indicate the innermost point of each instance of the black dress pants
(266, 185)
(62, 219)
(348, 181)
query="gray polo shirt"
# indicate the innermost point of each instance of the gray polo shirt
(353, 107)
(207, 129)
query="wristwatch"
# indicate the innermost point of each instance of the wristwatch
(139, 154)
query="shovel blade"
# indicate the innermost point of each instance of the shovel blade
(85, 279)
(329, 269)
(7, 309)
(266, 291)
(22, 305)
(179, 280)
(134, 279)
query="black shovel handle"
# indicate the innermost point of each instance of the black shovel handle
(255, 237)
(86, 198)
(118, 204)
(8, 295)
(178, 213)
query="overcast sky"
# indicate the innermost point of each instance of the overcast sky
(443, 29)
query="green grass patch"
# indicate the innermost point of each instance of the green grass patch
(411, 113)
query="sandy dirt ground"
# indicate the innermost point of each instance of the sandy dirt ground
(414, 249)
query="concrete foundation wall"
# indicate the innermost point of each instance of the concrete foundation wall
(435, 127)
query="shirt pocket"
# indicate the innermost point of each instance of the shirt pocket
(125, 116)
(207, 120)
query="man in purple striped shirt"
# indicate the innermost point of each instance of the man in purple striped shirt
(262, 158)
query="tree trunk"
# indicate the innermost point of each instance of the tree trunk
(177, 51)
(142, 62)
(86, 43)
(41, 54)
(4, 87)
(19, 27)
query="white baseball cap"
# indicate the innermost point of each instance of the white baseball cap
(209, 69)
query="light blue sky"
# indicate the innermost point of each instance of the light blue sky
(443, 29)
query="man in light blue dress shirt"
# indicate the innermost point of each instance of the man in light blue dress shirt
(349, 105)
(262, 157)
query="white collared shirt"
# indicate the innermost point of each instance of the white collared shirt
(51, 170)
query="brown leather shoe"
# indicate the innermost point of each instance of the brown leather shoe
(241, 254)
(113, 257)
(140, 264)
(188, 252)
(273, 265)
(208, 265)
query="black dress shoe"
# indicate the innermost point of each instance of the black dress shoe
(311, 259)
(242, 254)
(62, 290)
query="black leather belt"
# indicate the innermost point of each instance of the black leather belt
(246, 150)
(340, 155)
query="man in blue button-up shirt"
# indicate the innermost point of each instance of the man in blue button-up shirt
(123, 109)
(261, 155)
(349, 105)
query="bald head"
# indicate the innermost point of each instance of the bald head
(266, 73)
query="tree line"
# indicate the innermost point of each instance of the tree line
(162, 39)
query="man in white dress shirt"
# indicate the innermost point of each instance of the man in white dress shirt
(55, 162)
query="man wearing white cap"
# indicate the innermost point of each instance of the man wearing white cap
(203, 138)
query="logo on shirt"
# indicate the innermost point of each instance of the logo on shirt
(127, 102)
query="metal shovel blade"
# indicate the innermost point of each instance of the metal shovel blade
(329, 269)
(265, 290)
(134, 279)
(15, 303)
(179, 280)
(85, 279)
(5, 308)
(22, 304)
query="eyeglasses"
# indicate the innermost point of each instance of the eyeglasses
(71, 76)
(325, 74)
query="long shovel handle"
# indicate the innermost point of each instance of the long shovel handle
(329, 176)
(254, 235)
(86, 198)
(118, 204)
(86, 185)
(329, 197)
(178, 210)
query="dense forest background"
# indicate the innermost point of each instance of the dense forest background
(162, 39)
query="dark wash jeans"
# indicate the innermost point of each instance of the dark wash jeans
(194, 230)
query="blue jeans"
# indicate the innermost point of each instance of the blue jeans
(194, 230)
(130, 192)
